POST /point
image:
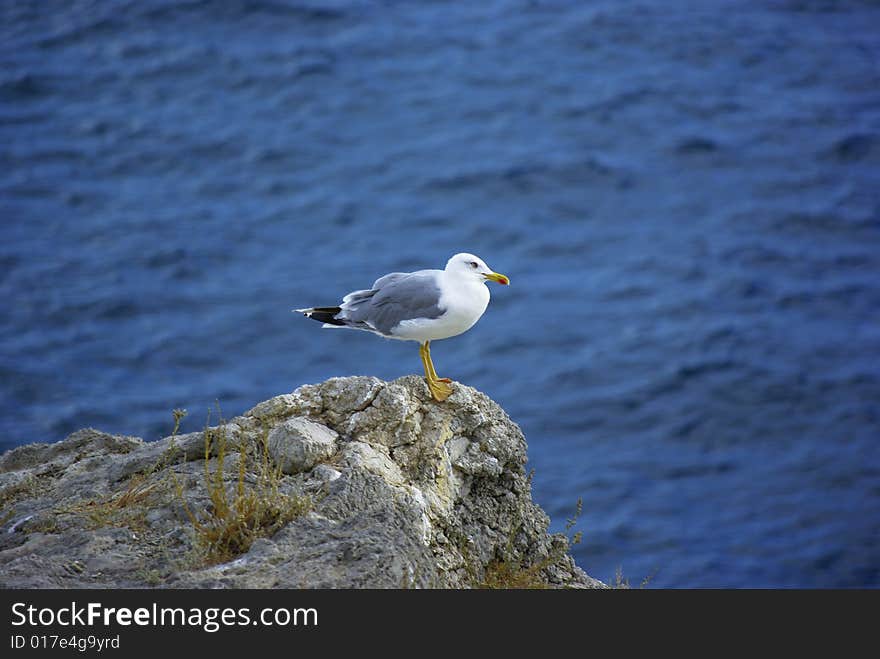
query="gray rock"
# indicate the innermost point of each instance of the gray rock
(405, 492)
(299, 444)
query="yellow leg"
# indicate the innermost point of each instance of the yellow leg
(431, 364)
(440, 388)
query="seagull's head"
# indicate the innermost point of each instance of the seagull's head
(468, 265)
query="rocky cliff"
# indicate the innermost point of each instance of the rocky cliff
(351, 483)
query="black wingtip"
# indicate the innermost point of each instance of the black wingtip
(324, 315)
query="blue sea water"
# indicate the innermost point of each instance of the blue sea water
(686, 197)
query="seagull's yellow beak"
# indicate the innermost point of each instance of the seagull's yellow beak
(501, 279)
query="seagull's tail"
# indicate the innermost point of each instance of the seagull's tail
(326, 315)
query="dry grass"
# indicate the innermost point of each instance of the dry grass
(27, 488)
(243, 511)
(125, 509)
(501, 574)
(622, 583)
(30, 487)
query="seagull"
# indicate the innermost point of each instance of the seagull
(423, 306)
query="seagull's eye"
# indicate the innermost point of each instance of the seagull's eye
(473, 264)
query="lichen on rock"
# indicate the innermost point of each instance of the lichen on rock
(405, 492)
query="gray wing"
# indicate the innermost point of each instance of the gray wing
(356, 297)
(391, 277)
(394, 298)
